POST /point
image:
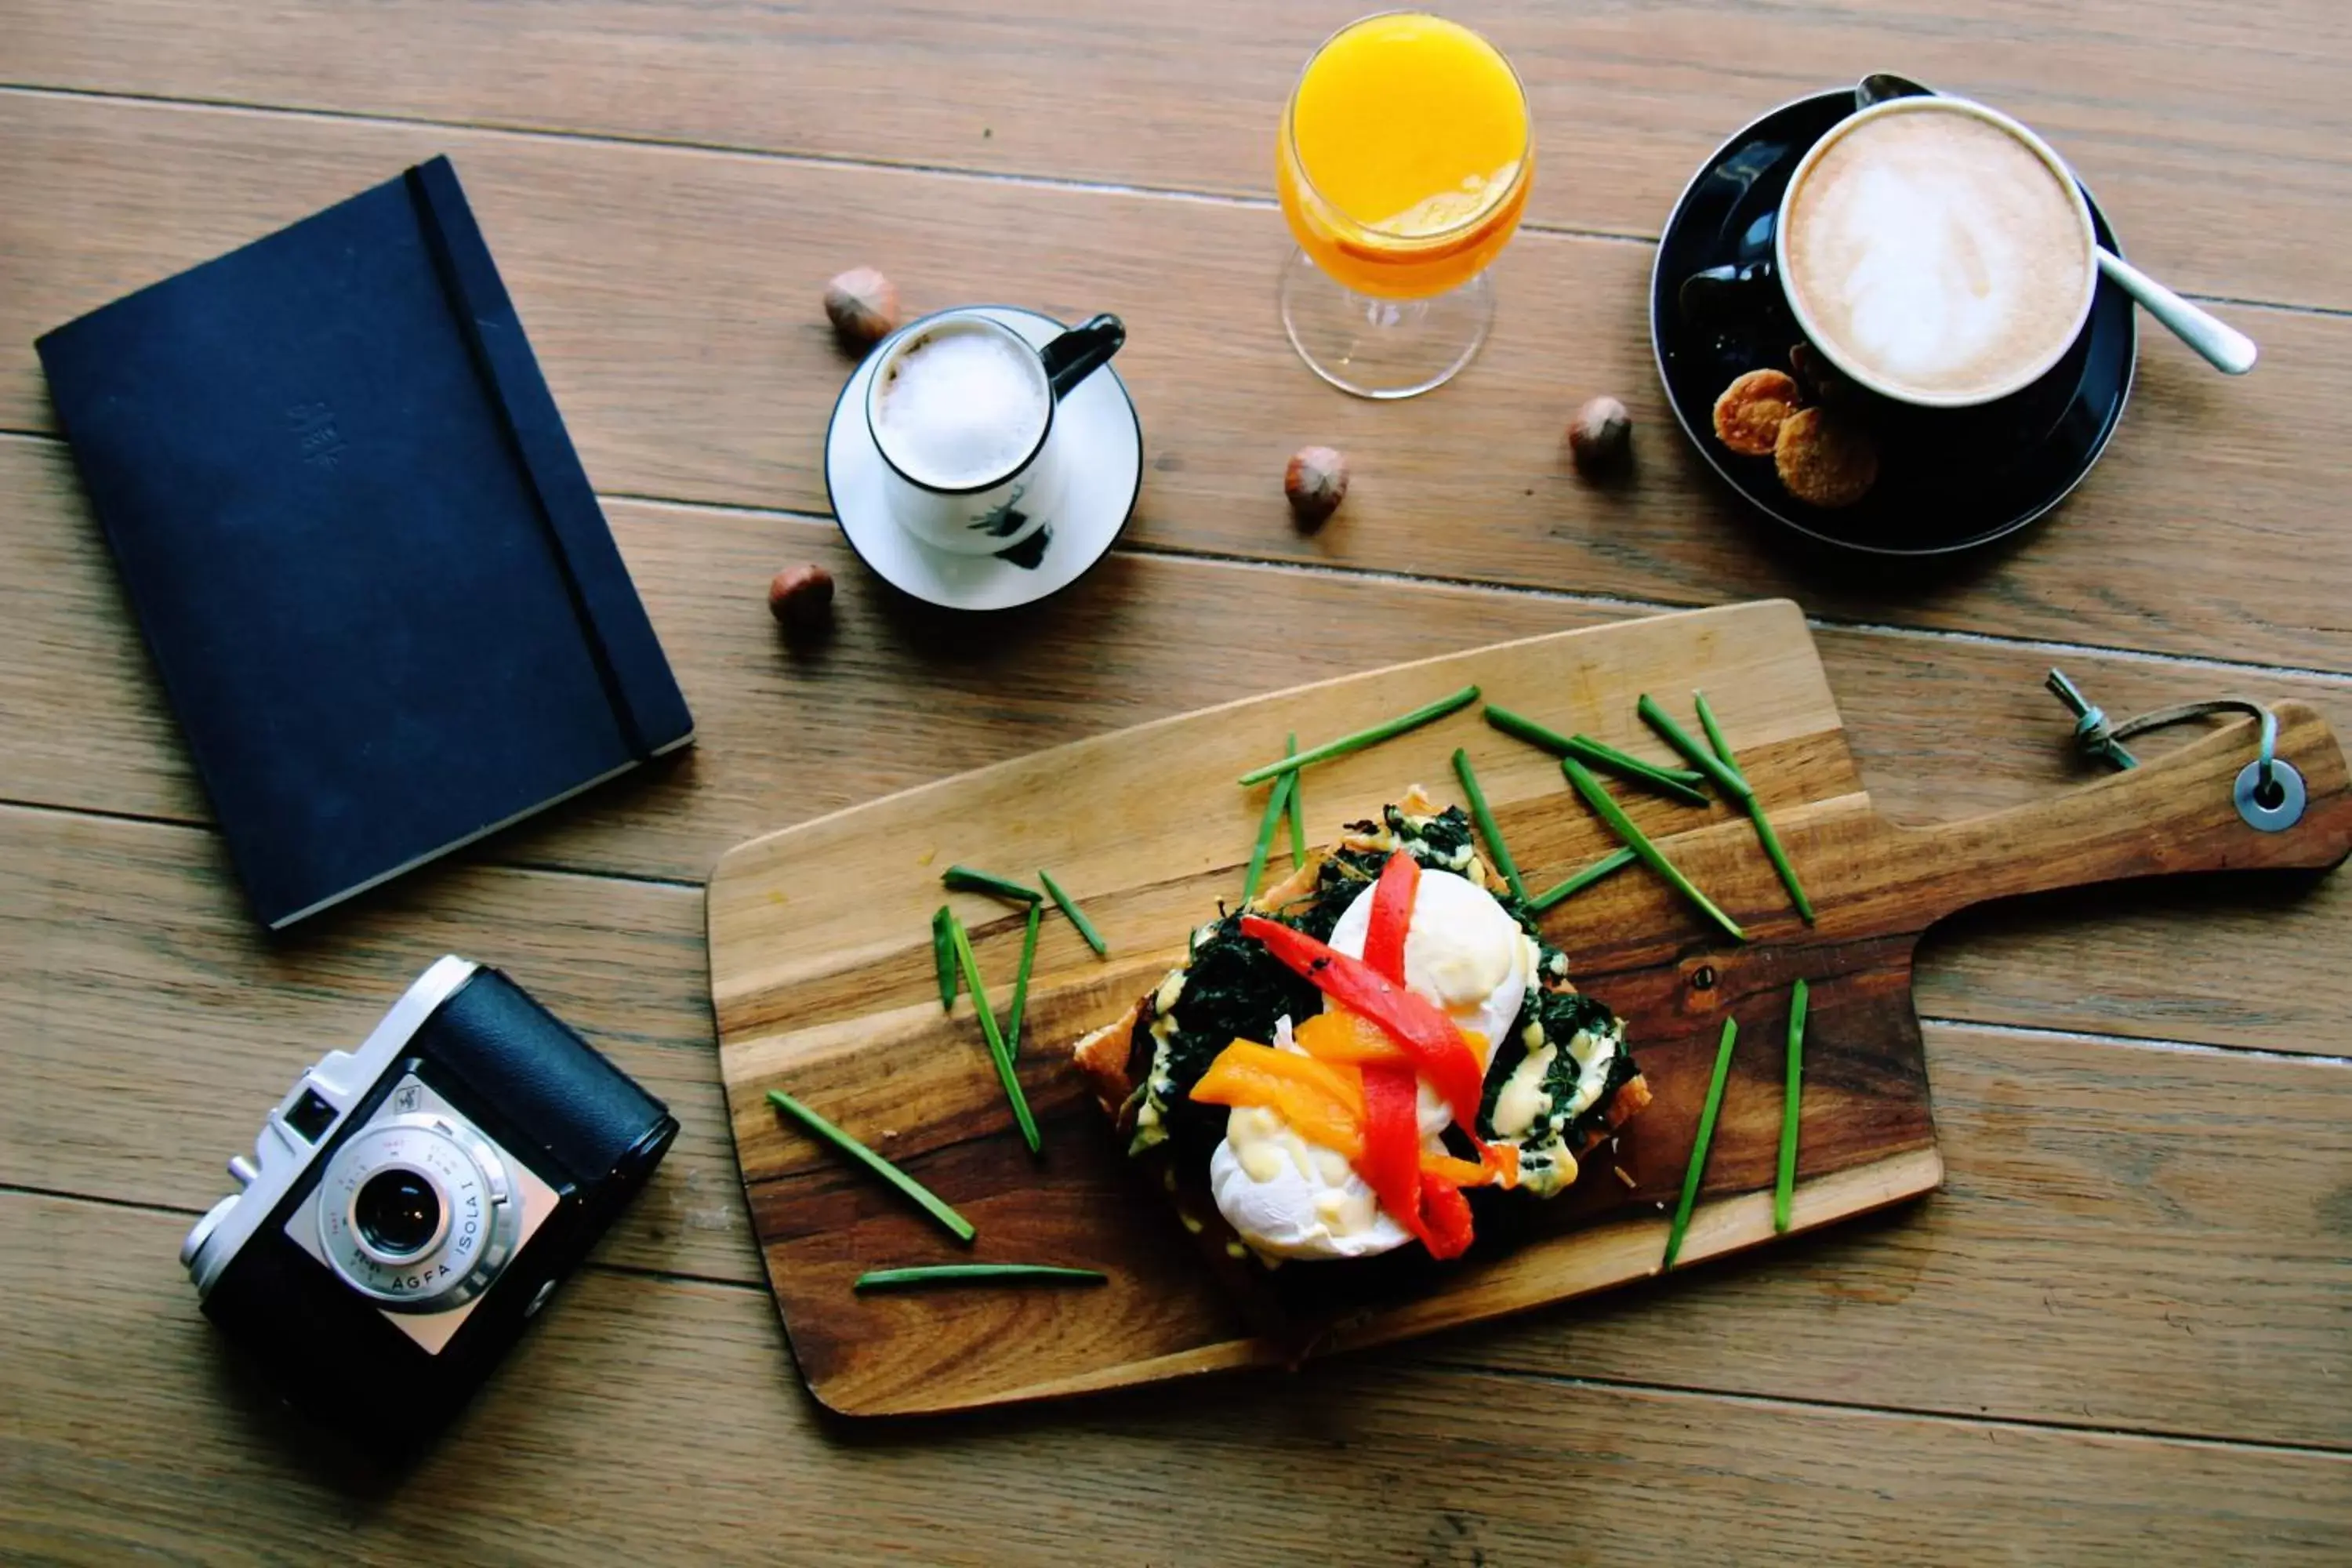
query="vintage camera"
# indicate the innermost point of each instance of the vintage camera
(410, 1206)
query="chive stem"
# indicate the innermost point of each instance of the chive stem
(1679, 782)
(1764, 833)
(1298, 810)
(826, 1132)
(1363, 738)
(943, 959)
(1638, 843)
(1002, 1056)
(1698, 1149)
(1614, 861)
(1276, 799)
(1792, 1097)
(1487, 825)
(1721, 774)
(969, 1273)
(1077, 917)
(964, 880)
(1021, 982)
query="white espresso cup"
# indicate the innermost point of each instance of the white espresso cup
(961, 407)
(1936, 252)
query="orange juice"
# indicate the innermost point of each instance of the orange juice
(1405, 158)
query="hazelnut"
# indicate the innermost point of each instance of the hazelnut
(801, 598)
(1315, 482)
(862, 306)
(1600, 435)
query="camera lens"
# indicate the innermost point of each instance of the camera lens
(397, 1211)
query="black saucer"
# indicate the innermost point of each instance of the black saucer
(1948, 479)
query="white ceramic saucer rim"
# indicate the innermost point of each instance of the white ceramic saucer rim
(978, 601)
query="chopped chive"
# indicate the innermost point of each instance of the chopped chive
(1638, 843)
(1486, 827)
(826, 1132)
(966, 1273)
(1275, 798)
(1791, 1098)
(1021, 982)
(1616, 860)
(1003, 1057)
(1679, 782)
(1723, 775)
(1363, 738)
(964, 880)
(1698, 1149)
(1297, 811)
(1764, 833)
(1077, 916)
(943, 957)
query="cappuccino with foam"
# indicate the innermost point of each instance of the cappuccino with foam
(1936, 252)
(961, 405)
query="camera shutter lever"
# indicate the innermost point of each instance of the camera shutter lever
(243, 1169)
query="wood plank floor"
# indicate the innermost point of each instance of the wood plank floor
(2123, 1332)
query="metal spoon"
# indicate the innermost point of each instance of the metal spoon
(2225, 347)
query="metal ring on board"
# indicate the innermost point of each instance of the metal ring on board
(2284, 784)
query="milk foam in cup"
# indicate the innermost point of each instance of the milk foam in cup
(961, 406)
(1938, 252)
(961, 409)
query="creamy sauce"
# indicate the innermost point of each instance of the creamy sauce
(1523, 1098)
(1291, 1198)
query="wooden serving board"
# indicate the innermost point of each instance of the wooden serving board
(821, 977)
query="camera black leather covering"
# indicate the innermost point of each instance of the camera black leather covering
(555, 1103)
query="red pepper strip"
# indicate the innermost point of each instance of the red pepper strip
(1428, 1035)
(1444, 1219)
(1391, 916)
(1391, 1162)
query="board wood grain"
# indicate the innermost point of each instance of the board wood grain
(705, 372)
(2199, 136)
(820, 987)
(1938, 727)
(2121, 1240)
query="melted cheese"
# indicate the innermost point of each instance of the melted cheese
(1523, 1097)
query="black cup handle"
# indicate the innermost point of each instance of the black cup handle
(1729, 295)
(1082, 350)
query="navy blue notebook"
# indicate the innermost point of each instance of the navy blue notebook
(377, 587)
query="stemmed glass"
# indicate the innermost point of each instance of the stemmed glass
(1403, 169)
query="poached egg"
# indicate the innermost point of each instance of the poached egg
(1289, 1197)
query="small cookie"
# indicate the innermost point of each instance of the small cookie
(1825, 460)
(1747, 415)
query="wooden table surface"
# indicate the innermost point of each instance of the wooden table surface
(2123, 1331)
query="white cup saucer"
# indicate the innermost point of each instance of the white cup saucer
(1099, 442)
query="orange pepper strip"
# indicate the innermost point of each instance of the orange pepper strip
(1323, 1104)
(1500, 1168)
(1342, 1036)
(1446, 1168)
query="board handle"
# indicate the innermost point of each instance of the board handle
(2176, 813)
